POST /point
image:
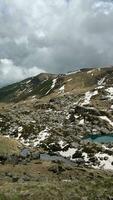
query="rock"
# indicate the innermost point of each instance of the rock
(13, 159)
(15, 178)
(105, 158)
(110, 198)
(25, 178)
(53, 169)
(35, 155)
(57, 169)
(9, 174)
(3, 159)
(80, 161)
(25, 153)
(86, 110)
(77, 154)
(93, 159)
(55, 147)
(24, 162)
(101, 158)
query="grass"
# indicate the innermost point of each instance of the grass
(9, 146)
(75, 184)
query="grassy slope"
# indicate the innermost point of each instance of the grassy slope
(8, 146)
(76, 184)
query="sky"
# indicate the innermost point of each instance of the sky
(54, 36)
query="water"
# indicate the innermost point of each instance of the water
(100, 138)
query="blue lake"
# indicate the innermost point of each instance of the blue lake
(100, 138)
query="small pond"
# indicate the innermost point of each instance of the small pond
(100, 138)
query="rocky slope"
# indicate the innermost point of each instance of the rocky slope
(54, 112)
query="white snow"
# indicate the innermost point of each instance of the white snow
(110, 92)
(34, 142)
(33, 121)
(33, 97)
(69, 80)
(101, 82)
(28, 81)
(53, 85)
(111, 106)
(62, 89)
(0, 119)
(85, 156)
(62, 144)
(68, 153)
(19, 135)
(20, 129)
(30, 90)
(100, 87)
(42, 135)
(88, 96)
(81, 122)
(68, 116)
(90, 71)
(107, 119)
(76, 116)
(105, 164)
(69, 73)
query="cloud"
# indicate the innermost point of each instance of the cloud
(56, 36)
(10, 73)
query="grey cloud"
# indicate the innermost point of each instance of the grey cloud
(56, 36)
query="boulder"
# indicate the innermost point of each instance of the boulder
(35, 155)
(25, 153)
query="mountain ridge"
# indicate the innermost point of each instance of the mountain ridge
(45, 83)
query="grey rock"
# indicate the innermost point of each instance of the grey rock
(25, 153)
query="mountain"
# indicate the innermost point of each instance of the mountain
(44, 84)
(58, 127)
(54, 112)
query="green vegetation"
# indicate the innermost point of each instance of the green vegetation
(71, 185)
(8, 146)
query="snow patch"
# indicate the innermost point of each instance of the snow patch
(76, 116)
(62, 144)
(110, 92)
(74, 72)
(85, 155)
(1, 120)
(69, 80)
(81, 122)
(34, 142)
(28, 81)
(101, 82)
(20, 129)
(42, 136)
(53, 85)
(107, 119)
(62, 89)
(105, 164)
(68, 153)
(88, 96)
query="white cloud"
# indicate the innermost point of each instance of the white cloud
(10, 73)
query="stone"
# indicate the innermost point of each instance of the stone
(15, 178)
(35, 155)
(25, 153)
(105, 158)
